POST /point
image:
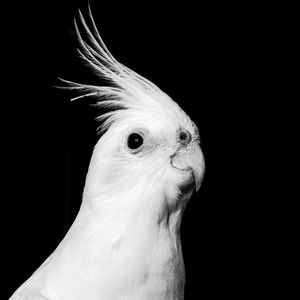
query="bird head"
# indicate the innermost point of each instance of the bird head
(149, 154)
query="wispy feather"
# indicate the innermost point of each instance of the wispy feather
(127, 89)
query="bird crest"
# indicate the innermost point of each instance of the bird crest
(128, 93)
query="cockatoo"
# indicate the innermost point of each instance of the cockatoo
(125, 243)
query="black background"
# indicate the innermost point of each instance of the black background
(211, 60)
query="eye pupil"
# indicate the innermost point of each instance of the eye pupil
(182, 136)
(134, 141)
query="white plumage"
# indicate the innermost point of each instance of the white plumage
(124, 243)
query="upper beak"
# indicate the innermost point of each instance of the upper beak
(191, 159)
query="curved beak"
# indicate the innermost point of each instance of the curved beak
(191, 159)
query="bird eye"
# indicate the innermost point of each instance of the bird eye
(134, 141)
(184, 137)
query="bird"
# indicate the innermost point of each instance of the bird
(124, 243)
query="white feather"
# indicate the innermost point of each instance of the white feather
(124, 243)
(127, 89)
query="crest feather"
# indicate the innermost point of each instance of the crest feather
(128, 89)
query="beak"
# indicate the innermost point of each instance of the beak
(192, 160)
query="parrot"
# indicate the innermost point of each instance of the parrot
(124, 243)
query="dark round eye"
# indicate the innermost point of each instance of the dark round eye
(134, 141)
(184, 137)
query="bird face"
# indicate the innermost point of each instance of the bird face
(137, 156)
